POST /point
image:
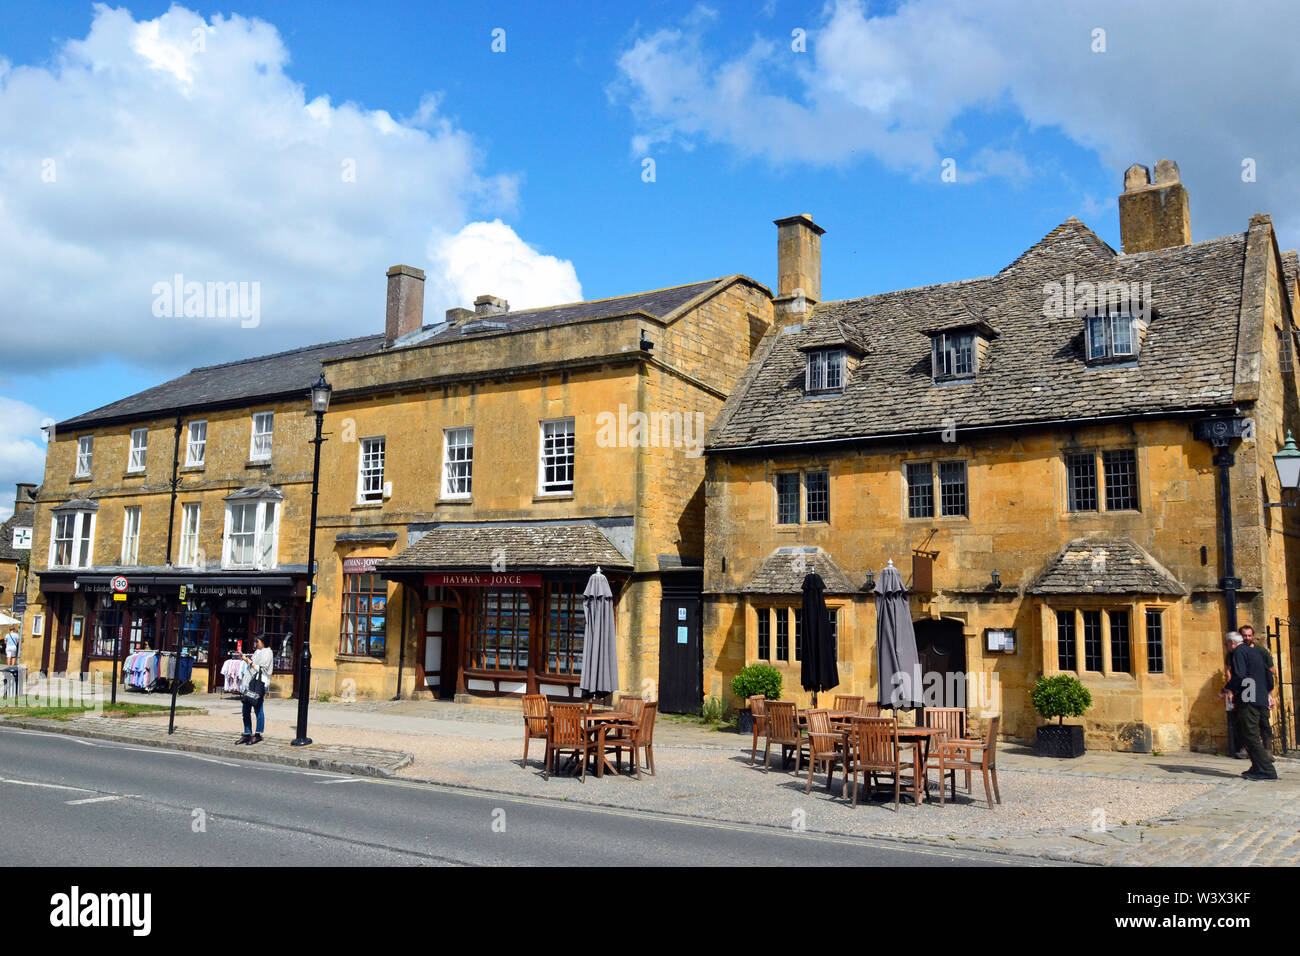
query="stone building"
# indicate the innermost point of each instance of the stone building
(1051, 455)
(201, 484)
(15, 552)
(480, 468)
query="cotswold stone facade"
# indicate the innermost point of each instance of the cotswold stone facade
(1039, 480)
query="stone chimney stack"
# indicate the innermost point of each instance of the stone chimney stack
(798, 266)
(23, 498)
(1153, 215)
(490, 305)
(405, 311)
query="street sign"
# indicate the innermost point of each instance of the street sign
(182, 596)
(119, 596)
(119, 583)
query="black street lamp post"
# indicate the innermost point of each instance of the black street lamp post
(320, 403)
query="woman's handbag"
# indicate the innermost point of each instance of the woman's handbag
(255, 689)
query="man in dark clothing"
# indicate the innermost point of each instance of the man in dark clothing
(1251, 684)
(1265, 726)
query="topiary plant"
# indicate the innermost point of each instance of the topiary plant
(1060, 697)
(757, 679)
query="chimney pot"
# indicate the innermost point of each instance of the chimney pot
(490, 305)
(405, 311)
(1153, 215)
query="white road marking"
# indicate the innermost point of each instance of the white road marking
(48, 786)
(344, 780)
(37, 733)
(77, 803)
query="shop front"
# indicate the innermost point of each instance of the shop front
(214, 617)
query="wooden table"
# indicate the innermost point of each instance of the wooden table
(921, 736)
(596, 724)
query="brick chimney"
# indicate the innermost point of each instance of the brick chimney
(798, 266)
(490, 305)
(405, 312)
(23, 500)
(1153, 215)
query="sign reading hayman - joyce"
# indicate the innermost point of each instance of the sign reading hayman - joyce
(486, 580)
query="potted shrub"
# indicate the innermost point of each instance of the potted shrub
(1060, 696)
(754, 679)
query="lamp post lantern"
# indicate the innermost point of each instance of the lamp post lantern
(320, 403)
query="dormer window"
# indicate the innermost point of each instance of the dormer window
(954, 355)
(1111, 337)
(825, 371)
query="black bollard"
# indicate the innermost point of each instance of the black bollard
(304, 691)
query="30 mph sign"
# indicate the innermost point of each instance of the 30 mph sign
(119, 583)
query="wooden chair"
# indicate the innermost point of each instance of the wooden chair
(849, 702)
(971, 755)
(534, 721)
(877, 751)
(824, 747)
(757, 708)
(952, 721)
(782, 730)
(870, 709)
(565, 732)
(636, 739)
(632, 704)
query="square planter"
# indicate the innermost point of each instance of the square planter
(1060, 740)
(745, 722)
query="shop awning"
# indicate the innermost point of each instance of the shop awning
(532, 546)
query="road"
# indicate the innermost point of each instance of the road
(74, 802)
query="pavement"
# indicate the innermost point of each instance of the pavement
(1105, 808)
(79, 803)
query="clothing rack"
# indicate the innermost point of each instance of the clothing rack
(232, 676)
(150, 671)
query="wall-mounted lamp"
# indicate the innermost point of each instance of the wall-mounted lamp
(871, 581)
(996, 580)
(646, 344)
(1287, 463)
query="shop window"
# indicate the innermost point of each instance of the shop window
(107, 621)
(196, 444)
(1155, 619)
(85, 455)
(565, 629)
(275, 624)
(365, 612)
(556, 464)
(499, 629)
(1067, 654)
(1092, 641)
(195, 630)
(457, 462)
(136, 622)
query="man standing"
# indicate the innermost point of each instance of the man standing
(1266, 725)
(1251, 683)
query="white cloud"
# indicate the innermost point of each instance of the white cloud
(488, 258)
(179, 145)
(21, 457)
(1197, 82)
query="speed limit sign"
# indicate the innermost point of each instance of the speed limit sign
(119, 583)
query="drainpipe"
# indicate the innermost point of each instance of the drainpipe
(401, 653)
(176, 480)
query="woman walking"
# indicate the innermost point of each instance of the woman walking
(257, 681)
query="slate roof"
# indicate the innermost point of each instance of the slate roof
(1105, 566)
(8, 552)
(525, 547)
(1033, 370)
(294, 372)
(783, 572)
(234, 383)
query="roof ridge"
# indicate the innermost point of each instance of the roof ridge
(269, 355)
(614, 298)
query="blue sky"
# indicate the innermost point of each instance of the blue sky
(217, 154)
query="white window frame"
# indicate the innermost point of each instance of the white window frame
(944, 351)
(196, 448)
(556, 487)
(85, 455)
(1108, 324)
(83, 532)
(458, 471)
(130, 536)
(261, 548)
(267, 434)
(139, 450)
(370, 488)
(817, 375)
(191, 518)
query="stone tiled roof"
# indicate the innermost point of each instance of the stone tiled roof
(248, 380)
(783, 572)
(524, 547)
(8, 552)
(1033, 370)
(1105, 566)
